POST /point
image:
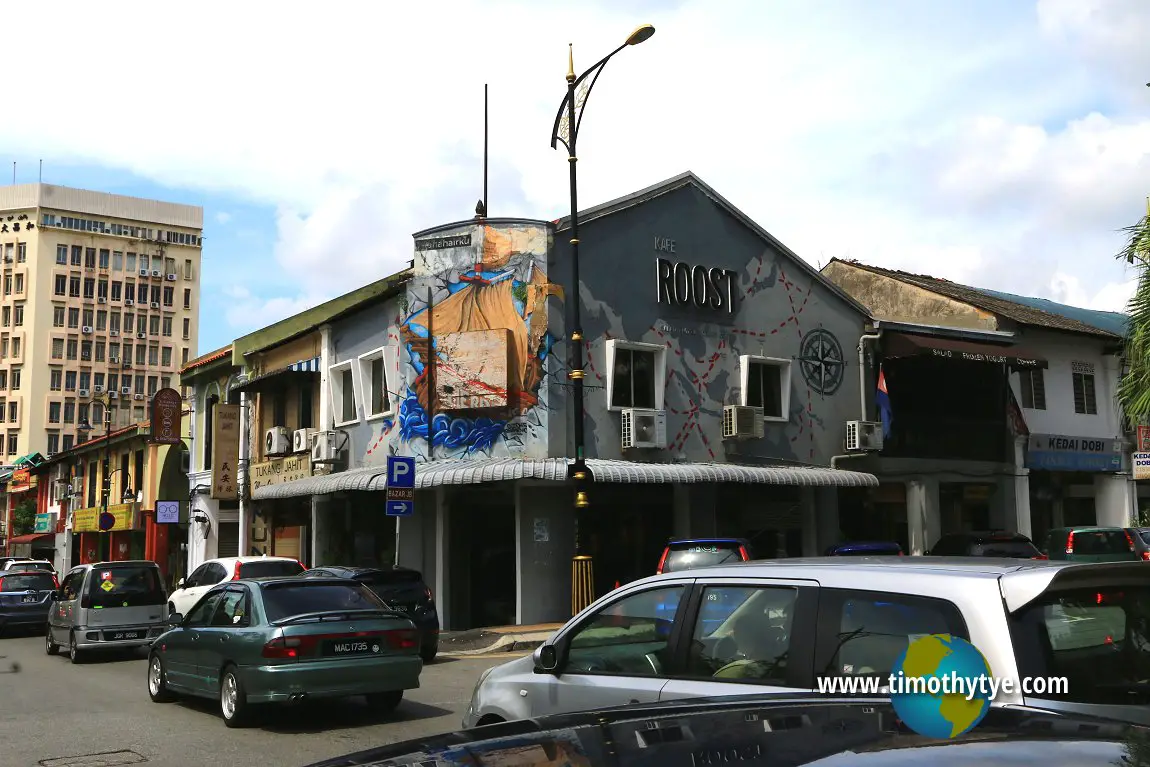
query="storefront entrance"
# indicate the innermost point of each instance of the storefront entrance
(482, 551)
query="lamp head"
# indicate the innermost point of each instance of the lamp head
(641, 34)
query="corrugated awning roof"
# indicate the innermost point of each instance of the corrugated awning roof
(278, 375)
(30, 538)
(470, 472)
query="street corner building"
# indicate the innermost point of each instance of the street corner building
(720, 381)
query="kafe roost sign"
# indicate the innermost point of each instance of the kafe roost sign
(682, 284)
(167, 417)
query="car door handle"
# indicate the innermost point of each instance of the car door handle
(195, 637)
(224, 637)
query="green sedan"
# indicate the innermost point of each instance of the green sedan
(286, 640)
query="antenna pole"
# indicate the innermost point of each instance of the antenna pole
(41, 170)
(13, 171)
(486, 207)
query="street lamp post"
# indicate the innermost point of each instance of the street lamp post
(565, 132)
(106, 476)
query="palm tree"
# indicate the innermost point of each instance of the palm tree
(1134, 388)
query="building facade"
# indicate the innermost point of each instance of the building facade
(719, 384)
(100, 295)
(1003, 411)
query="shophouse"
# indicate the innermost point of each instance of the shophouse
(720, 378)
(1002, 411)
(213, 480)
(20, 487)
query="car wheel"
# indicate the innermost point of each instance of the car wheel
(74, 653)
(50, 647)
(429, 654)
(233, 700)
(490, 719)
(158, 681)
(384, 702)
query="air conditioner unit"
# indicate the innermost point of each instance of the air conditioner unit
(276, 441)
(127, 364)
(129, 302)
(155, 304)
(98, 388)
(113, 333)
(113, 394)
(125, 390)
(144, 272)
(171, 277)
(86, 355)
(157, 273)
(863, 436)
(644, 428)
(323, 446)
(742, 422)
(86, 330)
(102, 299)
(141, 335)
(301, 440)
(138, 396)
(83, 392)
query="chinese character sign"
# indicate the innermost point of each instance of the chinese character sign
(225, 451)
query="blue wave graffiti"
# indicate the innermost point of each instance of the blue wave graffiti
(472, 435)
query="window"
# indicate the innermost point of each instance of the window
(742, 634)
(232, 610)
(21, 252)
(105, 258)
(1085, 401)
(138, 388)
(142, 293)
(3, 379)
(167, 326)
(62, 255)
(1032, 386)
(70, 411)
(166, 357)
(68, 442)
(73, 317)
(13, 442)
(57, 348)
(53, 443)
(7, 284)
(89, 258)
(153, 355)
(15, 379)
(19, 284)
(129, 291)
(141, 354)
(187, 268)
(77, 256)
(343, 393)
(169, 266)
(102, 289)
(18, 315)
(165, 382)
(89, 287)
(373, 368)
(101, 319)
(154, 324)
(89, 317)
(85, 382)
(153, 385)
(145, 262)
(875, 628)
(99, 351)
(114, 352)
(74, 286)
(627, 637)
(6, 316)
(184, 355)
(130, 263)
(635, 374)
(60, 288)
(117, 290)
(187, 328)
(55, 380)
(113, 381)
(54, 412)
(169, 295)
(766, 384)
(117, 261)
(13, 412)
(187, 298)
(57, 316)
(129, 322)
(16, 346)
(72, 348)
(114, 322)
(70, 380)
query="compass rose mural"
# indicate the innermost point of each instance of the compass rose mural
(821, 361)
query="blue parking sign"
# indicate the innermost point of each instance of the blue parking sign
(400, 497)
(400, 508)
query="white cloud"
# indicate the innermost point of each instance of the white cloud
(223, 217)
(994, 143)
(253, 313)
(1112, 297)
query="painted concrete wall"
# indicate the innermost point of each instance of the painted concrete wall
(781, 310)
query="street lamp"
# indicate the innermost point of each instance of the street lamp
(106, 480)
(566, 132)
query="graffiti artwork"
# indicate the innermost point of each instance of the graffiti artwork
(489, 337)
(821, 358)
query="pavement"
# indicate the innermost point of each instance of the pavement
(98, 714)
(497, 640)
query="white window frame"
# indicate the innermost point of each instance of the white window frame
(335, 381)
(745, 362)
(660, 352)
(389, 355)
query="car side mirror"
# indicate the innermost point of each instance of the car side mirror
(181, 582)
(175, 619)
(546, 659)
(55, 596)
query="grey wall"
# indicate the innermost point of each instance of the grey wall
(544, 565)
(779, 306)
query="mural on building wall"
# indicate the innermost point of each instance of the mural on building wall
(780, 314)
(491, 346)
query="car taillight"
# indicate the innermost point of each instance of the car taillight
(55, 582)
(302, 565)
(1041, 556)
(236, 571)
(1070, 542)
(743, 555)
(1146, 555)
(662, 561)
(402, 639)
(283, 648)
(1129, 541)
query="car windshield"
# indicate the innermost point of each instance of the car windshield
(126, 586)
(275, 568)
(1015, 549)
(688, 556)
(1090, 542)
(1145, 535)
(1097, 638)
(287, 600)
(395, 584)
(27, 582)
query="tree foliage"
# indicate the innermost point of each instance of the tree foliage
(24, 517)
(1134, 388)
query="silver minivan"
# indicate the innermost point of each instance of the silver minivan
(107, 606)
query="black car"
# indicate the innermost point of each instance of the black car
(990, 543)
(26, 597)
(403, 590)
(1141, 538)
(771, 731)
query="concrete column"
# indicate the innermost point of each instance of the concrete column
(694, 509)
(442, 561)
(245, 515)
(810, 522)
(924, 525)
(545, 526)
(1112, 500)
(827, 517)
(1019, 487)
(325, 357)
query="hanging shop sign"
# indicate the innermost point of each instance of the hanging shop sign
(280, 470)
(167, 411)
(88, 520)
(1059, 452)
(225, 451)
(44, 523)
(1141, 463)
(22, 480)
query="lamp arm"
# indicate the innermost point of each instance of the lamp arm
(593, 72)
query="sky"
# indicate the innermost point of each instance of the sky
(1003, 145)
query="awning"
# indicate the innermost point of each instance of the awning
(905, 345)
(470, 472)
(32, 538)
(281, 376)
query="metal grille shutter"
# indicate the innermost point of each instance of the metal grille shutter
(229, 540)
